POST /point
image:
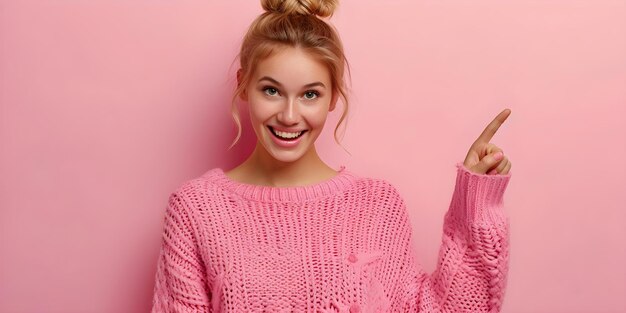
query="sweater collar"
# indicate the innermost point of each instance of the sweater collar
(343, 180)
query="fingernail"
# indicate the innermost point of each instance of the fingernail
(493, 172)
(498, 156)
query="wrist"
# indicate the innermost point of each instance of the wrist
(479, 196)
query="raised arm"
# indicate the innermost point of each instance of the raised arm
(473, 259)
(180, 280)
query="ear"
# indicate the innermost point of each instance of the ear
(243, 95)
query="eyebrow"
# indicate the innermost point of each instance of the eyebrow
(279, 84)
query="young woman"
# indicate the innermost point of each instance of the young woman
(285, 232)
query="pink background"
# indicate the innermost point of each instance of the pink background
(107, 106)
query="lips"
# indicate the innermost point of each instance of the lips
(286, 143)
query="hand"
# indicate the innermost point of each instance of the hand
(482, 155)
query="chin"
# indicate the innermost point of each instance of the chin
(287, 156)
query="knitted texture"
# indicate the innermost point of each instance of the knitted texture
(342, 245)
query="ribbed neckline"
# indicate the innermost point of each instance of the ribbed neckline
(343, 180)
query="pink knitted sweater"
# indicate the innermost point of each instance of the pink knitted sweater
(342, 245)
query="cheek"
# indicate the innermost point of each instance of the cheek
(259, 111)
(317, 118)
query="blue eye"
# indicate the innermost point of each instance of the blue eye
(270, 91)
(310, 95)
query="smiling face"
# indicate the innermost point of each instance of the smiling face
(289, 97)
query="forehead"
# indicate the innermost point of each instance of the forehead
(293, 67)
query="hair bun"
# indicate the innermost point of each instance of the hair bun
(321, 8)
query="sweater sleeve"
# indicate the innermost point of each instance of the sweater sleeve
(180, 283)
(471, 271)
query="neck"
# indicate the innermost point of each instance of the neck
(264, 169)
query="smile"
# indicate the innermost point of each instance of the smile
(288, 136)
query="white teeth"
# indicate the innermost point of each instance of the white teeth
(286, 135)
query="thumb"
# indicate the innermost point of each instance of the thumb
(488, 162)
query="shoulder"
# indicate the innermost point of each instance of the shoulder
(380, 191)
(379, 186)
(385, 202)
(196, 190)
(196, 183)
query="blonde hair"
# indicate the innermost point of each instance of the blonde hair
(293, 23)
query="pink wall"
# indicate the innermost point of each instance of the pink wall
(107, 106)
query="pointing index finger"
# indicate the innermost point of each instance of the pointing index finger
(493, 127)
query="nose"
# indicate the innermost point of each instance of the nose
(290, 114)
